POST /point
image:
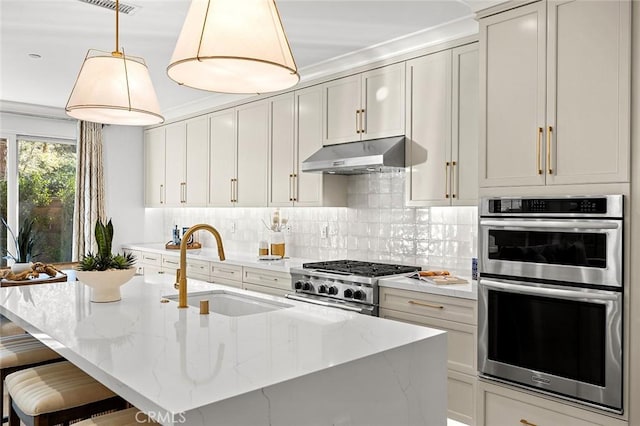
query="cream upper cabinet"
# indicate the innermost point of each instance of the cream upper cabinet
(364, 106)
(222, 158)
(342, 110)
(154, 156)
(175, 163)
(554, 98)
(282, 152)
(428, 145)
(253, 147)
(442, 120)
(464, 121)
(176, 158)
(296, 133)
(196, 186)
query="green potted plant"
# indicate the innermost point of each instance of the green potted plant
(103, 271)
(24, 243)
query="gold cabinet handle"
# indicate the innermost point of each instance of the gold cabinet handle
(362, 122)
(183, 192)
(538, 148)
(526, 423)
(446, 179)
(290, 186)
(231, 191)
(295, 187)
(453, 179)
(427, 305)
(549, 168)
(161, 194)
(357, 121)
(235, 190)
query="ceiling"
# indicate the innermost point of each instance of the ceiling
(324, 35)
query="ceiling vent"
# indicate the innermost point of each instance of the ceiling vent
(127, 9)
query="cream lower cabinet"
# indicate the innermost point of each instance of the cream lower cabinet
(265, 281)
(503, 406)
(554, 94)
(369, 105)
(296, 133)
(442, 128)
(224, 273)
(457, 317)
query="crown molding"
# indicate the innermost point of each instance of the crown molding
(34, 110)
(399, 48)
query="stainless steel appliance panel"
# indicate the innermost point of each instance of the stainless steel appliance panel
(562, 340)
(570, 250)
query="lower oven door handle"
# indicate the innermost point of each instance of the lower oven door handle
(323, 303)
(542, 224)
(552, 292)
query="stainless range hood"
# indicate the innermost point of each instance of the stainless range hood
(375, 155)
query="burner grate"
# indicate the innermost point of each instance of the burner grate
(365, 269)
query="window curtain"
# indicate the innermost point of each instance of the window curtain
(90, 199)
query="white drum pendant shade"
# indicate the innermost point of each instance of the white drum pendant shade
(233, 46)
(112, 88)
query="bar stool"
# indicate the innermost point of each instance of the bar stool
(56, 393)
(21, 351)
(129, 417)
(8, 328)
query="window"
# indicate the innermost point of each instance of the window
(45, 184)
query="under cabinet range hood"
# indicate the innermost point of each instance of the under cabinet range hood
(375, 155)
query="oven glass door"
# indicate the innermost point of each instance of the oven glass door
(557, 339)
(579, 251)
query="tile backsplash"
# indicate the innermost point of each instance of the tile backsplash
(375, 226)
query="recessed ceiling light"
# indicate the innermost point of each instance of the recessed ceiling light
(34, 56)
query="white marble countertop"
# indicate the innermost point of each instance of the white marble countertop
(464, 291)
(211, 255)
(159, 357)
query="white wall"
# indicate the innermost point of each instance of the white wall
(123, 166)
(123, 150)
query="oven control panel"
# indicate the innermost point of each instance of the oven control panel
(570, 206)
(334, 288)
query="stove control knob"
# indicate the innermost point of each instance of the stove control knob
(307, 286)
(322, 289)
(333, 290)
(348, 293)
(298, 285)
(358, 295)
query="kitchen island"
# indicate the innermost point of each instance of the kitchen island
(296, 365)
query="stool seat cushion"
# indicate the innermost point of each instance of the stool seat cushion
(129, 417)
(23, 349)
(54, 387)
(8, 328)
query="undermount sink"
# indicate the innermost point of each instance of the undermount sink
(232, 304)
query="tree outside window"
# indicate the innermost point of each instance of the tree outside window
(46, 191)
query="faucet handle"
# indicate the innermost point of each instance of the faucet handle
(176, 285)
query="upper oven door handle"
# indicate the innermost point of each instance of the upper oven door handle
(551, 292)
(555, 224)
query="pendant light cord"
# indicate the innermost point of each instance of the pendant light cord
(117, 51)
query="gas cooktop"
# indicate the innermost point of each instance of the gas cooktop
(364, 269)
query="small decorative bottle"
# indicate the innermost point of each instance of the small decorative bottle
(277, 243)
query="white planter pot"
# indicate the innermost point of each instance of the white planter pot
(105, 285)
(16, 268)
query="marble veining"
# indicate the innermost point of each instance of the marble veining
(174, 361)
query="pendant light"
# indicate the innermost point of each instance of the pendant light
(233, 46)
(114, 88)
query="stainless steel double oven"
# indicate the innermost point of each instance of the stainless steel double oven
(550, 296)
